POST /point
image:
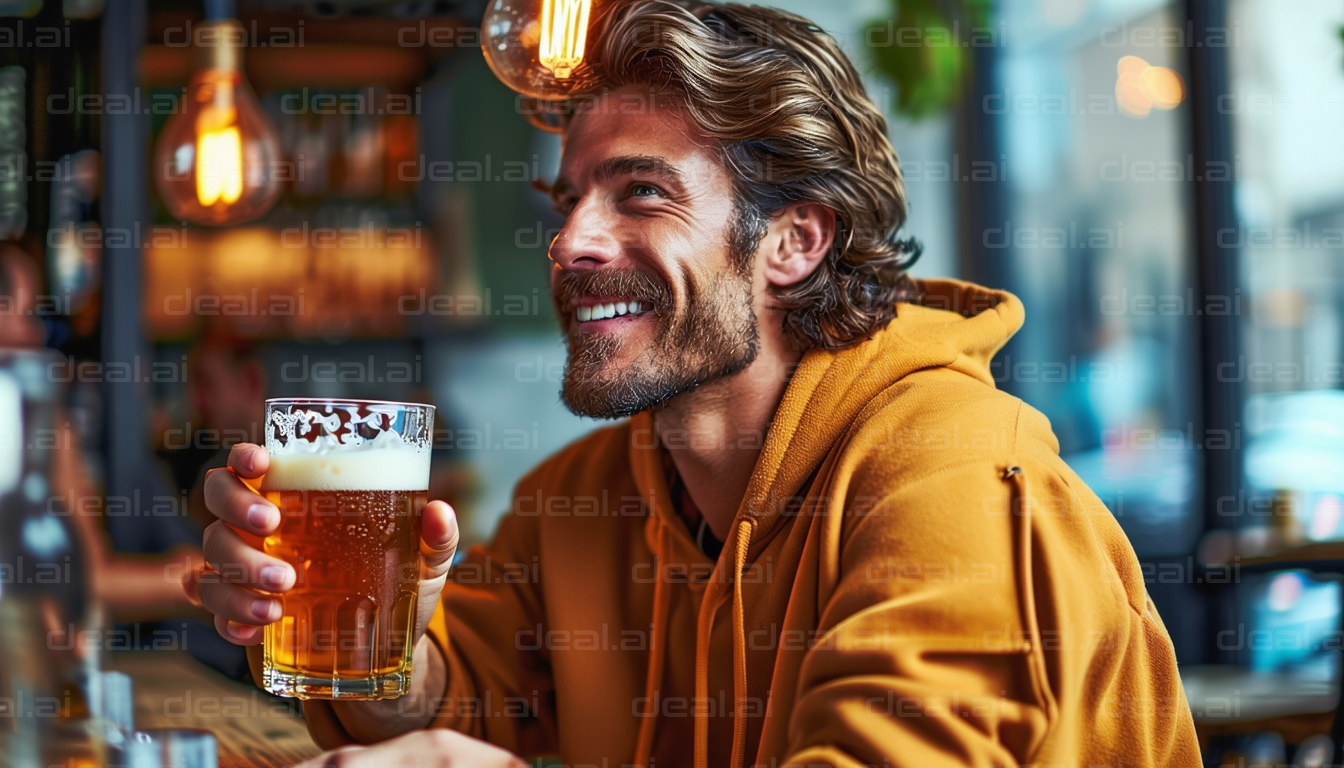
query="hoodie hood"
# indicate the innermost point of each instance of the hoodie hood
(956, 325)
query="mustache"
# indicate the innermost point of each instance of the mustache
(570, 284)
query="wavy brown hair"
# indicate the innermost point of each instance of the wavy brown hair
(793, 123)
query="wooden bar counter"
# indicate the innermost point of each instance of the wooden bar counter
(254, 729)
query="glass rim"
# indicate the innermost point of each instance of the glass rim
(341, 401)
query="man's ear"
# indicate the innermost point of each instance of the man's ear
(804, 233)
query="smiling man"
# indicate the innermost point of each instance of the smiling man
(818, 535)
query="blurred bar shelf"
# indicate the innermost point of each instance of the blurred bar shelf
(1227, 700)
(1317, 556)
(286, 51)
(258, 284)
(1221, 694)
(1327, 557)
(317, 65)
(441, 32)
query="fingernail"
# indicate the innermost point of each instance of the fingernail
(241, 631)
(259, 515)
(261, 608)
(273, 576)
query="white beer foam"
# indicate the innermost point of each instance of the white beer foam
(378, 465)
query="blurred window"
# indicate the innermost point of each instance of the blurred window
(1091, 99)
(1285, 106)
(1293, 614)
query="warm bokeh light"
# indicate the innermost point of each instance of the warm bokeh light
(1132, 95)
(1130, 64)
(564, 33)
(1164, 85)
(305, 281)
(1140, 87)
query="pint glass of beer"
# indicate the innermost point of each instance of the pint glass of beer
(350, 478)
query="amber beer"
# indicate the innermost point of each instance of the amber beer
(350, 526)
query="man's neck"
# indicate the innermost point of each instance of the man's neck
(715, 433)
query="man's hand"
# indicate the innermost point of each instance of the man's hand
(241, 587)
(436, 748)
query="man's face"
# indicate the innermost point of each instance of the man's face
(651, 296)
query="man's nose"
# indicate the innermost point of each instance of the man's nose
(590, 238)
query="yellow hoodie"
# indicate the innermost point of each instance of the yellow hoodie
(914, 578)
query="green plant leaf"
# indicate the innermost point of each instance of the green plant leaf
(920, 51)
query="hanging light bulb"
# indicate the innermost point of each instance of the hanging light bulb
(217, 157)
(537, 47)
(564, 33)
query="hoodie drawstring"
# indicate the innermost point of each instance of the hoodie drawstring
(657, 652)
(740, 648)
(710, 605)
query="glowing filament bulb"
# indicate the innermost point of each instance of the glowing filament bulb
(219, 166)
(564, 30)
(217, 157)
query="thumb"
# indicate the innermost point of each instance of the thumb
(438, 538)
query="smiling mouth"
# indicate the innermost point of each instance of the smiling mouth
(593, 312)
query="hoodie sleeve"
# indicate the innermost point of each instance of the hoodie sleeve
(499, 679)
(925, 659)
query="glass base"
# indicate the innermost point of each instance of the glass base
(297, 686)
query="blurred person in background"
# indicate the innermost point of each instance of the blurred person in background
(133, 587)
(818, 535)
(226, 396)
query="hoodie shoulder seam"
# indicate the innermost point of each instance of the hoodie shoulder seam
(1017, 427)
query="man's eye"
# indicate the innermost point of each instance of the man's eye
(643, 190)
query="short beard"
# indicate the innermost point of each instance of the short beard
(717, 336)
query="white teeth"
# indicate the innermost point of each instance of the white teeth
(612, 309)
